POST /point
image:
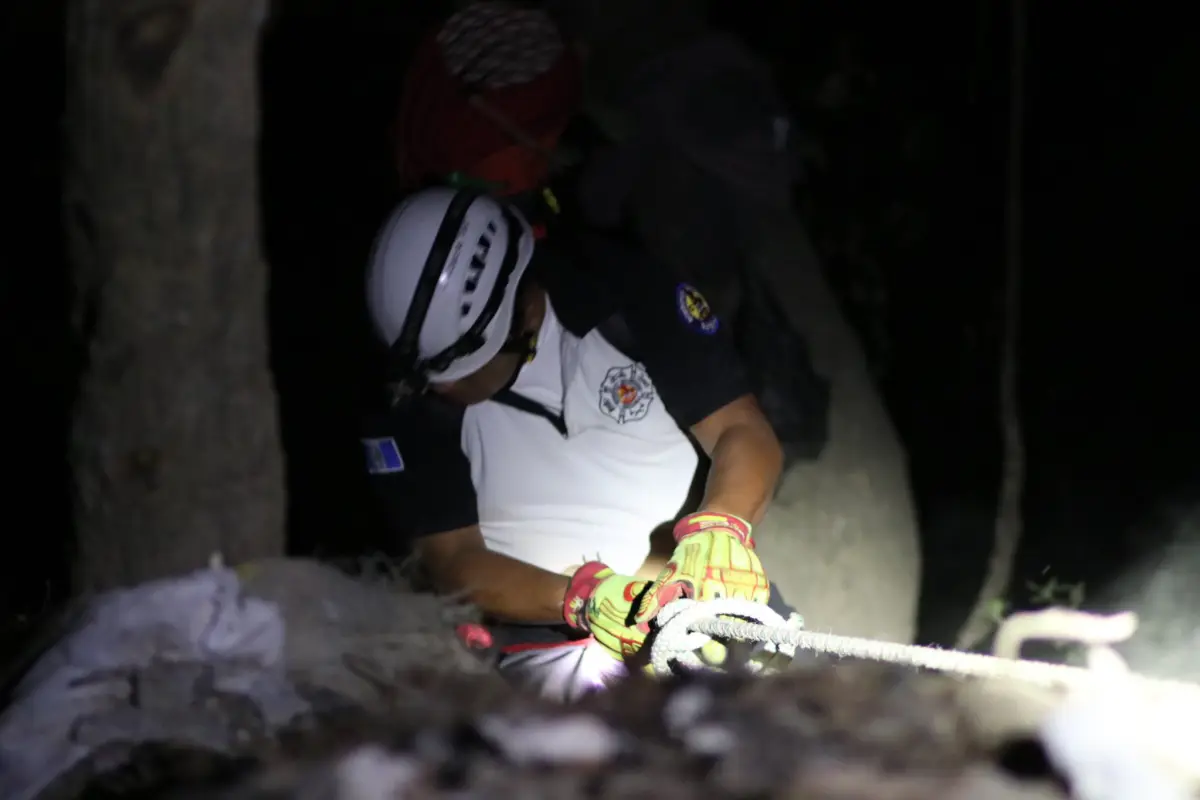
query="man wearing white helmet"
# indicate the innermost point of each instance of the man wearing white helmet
(542, 406)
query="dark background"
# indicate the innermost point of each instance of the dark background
(1109, 396)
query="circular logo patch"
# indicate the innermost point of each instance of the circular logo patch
(695, 310)
(626, 393)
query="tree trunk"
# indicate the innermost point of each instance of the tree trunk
(841, 539)
(174, 441)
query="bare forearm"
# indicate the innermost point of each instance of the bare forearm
(504, 587)
(746, 463)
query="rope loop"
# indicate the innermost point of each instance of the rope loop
(685, 626)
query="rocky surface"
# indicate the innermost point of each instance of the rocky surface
(844, 731)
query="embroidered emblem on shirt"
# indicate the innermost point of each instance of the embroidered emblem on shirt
(695, 310)
(383, 456)
(626, 393)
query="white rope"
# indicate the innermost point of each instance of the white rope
(686, 625)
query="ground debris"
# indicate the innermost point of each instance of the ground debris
(850, 732)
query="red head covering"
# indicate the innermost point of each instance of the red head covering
(515, 60)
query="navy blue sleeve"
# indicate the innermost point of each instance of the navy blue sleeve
(687, 350)
(417, 468)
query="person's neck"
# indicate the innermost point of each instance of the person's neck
(535, 311)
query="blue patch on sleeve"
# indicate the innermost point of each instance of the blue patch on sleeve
(383, 456)
(694, 310)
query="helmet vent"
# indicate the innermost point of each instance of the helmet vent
(479, 260)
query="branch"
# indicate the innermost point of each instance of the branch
(1008, 513)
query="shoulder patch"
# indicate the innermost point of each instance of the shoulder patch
(383, 456)
(695, 310)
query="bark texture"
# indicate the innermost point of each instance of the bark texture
(174, 440)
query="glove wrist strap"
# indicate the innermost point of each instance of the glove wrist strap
(582, 586)
(706, 520)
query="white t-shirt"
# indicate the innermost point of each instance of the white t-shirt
(623, 468)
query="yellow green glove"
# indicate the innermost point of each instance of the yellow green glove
(600, 602)
(714, 557)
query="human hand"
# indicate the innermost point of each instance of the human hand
(714, 557)
(600, 602)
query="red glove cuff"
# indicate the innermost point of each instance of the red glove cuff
(474, 636)
(581, 588)
(704, 520)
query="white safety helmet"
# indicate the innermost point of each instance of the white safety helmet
(442, 283)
